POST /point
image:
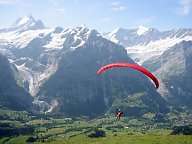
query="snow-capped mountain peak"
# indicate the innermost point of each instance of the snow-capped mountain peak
(143, 44)
(77, 36)
(112, 35)
(24, 20)
(83, 26)
(25, 23)
(142, 30)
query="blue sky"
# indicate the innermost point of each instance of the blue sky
(102, 15)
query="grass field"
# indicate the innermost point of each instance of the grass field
(22, 129)
(133, 139)
(117, 138)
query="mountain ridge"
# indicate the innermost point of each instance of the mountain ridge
(167, 58)
(23, 24)
(37, 54)
(149, 45)
(79, 91)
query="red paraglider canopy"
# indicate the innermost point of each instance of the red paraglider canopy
(146, 72)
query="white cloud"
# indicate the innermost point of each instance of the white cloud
(10, 2)
(106, 19)
(120, 8)
(57, 6)
(54, 2)
(117, 6)
(115, 3)
(60, 10)
(185, 8)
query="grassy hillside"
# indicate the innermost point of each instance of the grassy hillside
(32, 128)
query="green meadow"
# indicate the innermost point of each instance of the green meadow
(23, 127)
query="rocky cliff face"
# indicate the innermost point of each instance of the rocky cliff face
(11, 95)
(165, 53)
(79, 91)
(174, 70)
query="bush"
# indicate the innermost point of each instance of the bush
(97, 133)
(185, 130)
(114, 127)
(31, 139)
(160, 118)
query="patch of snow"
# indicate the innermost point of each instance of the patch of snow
(112, 36)
(5, 51)
(42, 104)
(23, 21)
(54, 103)
(56, 42)
(81, 35)
(141, 53)
(21, 40)
(142, 30)
(35, 78)
(27, 75)
(83, 25)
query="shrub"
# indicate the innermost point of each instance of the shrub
(185, 130)
(31, 139)
(97, 133)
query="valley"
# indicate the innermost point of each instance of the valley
(50, 91)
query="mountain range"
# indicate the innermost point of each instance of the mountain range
(165, 53)
(58, 67)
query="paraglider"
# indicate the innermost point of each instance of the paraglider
(119, 113)
(141, 69)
